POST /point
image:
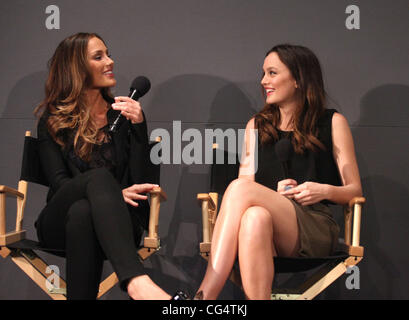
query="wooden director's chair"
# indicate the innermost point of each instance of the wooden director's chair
(348, 254)
(22, 251)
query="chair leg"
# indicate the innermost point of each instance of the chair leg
(328, 277)
(324, 282)
(36, 268)
(4, 252)
(316, 283)
(107, 284)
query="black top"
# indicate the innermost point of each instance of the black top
(102, 154)
(318, 166)
(127, 155)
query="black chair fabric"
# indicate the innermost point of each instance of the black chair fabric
(31, 170)
(301, 264)
(27, 244)
(225, 168)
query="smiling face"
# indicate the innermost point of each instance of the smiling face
(279, 85)
(100, 64)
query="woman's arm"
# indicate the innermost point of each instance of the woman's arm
(248, 166)
(344, 154)
(51, 158)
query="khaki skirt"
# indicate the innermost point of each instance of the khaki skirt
(317, 229)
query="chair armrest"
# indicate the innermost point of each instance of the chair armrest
(18, 234)
(208, 203)
(11, 192)
(356, 200)
(203, 197)
(352, 215)
(151, 243)
(160, 192)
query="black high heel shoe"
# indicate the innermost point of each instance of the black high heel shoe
(180, 295)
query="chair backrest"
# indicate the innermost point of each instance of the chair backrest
(31, 170)
(153, 170)
(225, 168)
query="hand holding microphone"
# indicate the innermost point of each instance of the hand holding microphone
(129, 106)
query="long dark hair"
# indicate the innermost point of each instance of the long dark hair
(65, 100)
(306, 71)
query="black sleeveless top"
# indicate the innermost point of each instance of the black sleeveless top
(318, 166)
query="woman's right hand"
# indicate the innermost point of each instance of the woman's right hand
(284, 185)
(133, 193)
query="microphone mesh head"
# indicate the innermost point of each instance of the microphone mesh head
(283, 149)
(141, 84)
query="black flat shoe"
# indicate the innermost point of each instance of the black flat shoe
(180, 295)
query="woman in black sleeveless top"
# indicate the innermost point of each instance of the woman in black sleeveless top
(96, 206)
(278, 205)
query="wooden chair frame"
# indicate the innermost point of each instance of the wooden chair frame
(36, 268)
(322, 278)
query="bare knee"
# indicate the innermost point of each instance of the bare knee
(239, 188)
(256, 222)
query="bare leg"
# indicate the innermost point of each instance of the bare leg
(240, 196)
(143, 288)
(256, 252)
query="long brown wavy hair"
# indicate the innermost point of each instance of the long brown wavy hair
(65, 99)
(306, 71)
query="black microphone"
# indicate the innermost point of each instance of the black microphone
(139, 87)
(283, 149)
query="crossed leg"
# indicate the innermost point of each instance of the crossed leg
(258, 223)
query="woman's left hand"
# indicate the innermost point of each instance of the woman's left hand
(137, 192)
(129, 108)
(308, 193)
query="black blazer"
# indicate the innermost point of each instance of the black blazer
(132, 155)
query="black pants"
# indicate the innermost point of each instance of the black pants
(88, 218)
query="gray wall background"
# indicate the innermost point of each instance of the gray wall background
(204, 60)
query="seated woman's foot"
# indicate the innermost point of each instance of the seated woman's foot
(143, 288)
